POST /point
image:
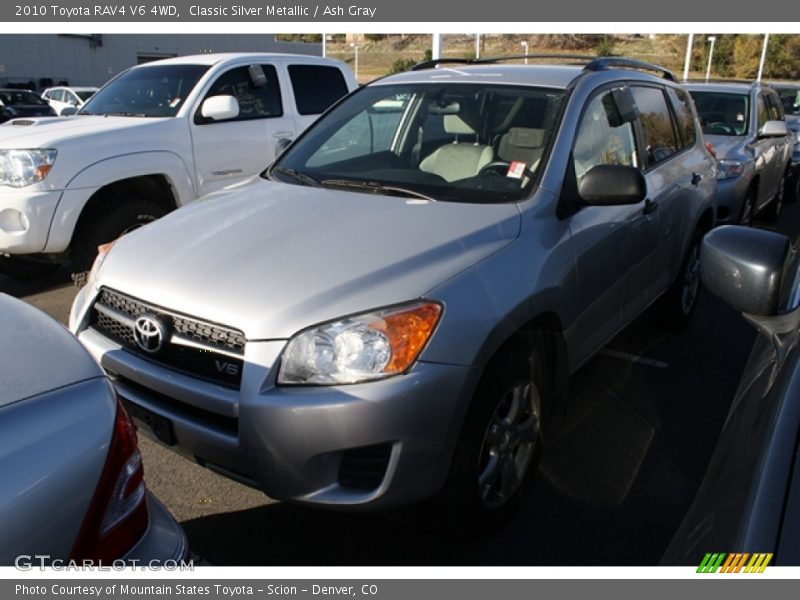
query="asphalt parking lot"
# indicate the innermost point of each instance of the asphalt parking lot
(616, 478)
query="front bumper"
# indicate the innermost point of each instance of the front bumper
(302, 444)
(730, 199)
(163, 544)
(25, 219)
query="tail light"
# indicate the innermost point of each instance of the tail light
(117, 516)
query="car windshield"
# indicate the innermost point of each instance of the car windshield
(440, 141)
(85, 95)
(723, 113)
(20, 98)
(151, 91)
(791, 101)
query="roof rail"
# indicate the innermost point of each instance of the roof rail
(610, 62)
(721, 80)
(430, 64)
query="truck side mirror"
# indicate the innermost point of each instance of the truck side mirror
(220, 108)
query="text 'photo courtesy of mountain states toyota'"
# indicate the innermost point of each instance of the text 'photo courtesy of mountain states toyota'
(392, 311)
(154, 138)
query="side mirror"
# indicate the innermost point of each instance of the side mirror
(774, 129)
(609, 185)
(220, 108)
(746, 267)
(68, 111)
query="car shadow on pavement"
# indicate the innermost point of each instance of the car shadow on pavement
(619, 471)
(21, 288)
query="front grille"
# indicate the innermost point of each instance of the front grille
(207, 350)
(364, 468)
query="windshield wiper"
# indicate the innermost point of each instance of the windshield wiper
(296, 175)
(374, 186)
(123, 114)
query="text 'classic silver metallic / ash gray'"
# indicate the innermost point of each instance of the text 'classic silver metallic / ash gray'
(393, 309)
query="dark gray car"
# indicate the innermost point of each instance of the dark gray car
(790, 97)
(394, 308)
(72, 487)
(749, 500)
(746, 126)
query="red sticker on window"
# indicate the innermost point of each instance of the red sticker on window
(516, 169)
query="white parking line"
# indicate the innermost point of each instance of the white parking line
(634, 358)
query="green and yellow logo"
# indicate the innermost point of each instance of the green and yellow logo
(734, 563)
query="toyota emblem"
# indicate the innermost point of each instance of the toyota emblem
(149, 333)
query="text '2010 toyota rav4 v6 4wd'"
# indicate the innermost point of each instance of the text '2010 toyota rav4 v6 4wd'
(154, 138)
(394, 310)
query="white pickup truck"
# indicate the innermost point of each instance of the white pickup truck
(154, 138)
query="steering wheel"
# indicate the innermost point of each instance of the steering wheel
(721, 127)
(496, 167)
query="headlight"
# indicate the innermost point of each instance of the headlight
(102, 252)
(363, 347)
(19, 168)
(729, 168)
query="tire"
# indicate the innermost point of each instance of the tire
(111, 219)
(500, 444)
(748, 207)
(792, 193)
(674, 309)
(773, 211)
(22, 268)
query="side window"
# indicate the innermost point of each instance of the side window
(657, 126)
(775, 108)
(57, 95)
(316, 87)
(685, 117)
(261, 102)
(602, 138)
(763, 113)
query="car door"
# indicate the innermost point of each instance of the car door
(765, 151)
(56, 100)
(611, 244)
(783, 145)
(232, 150)
(673, 173)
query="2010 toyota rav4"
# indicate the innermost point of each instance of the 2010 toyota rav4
(393, 309)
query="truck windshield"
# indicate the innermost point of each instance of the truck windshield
(150, 91)
(442, 141)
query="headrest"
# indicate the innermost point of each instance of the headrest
(456, 125)
(524, 137)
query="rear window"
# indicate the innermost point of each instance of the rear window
(683, 112)
(316, 87)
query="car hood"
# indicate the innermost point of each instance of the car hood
(273, 258)
(726, 146)
(37, 355)
(48, 132)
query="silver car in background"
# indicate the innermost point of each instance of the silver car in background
(72, 486)
(394, 308)
(745, 124)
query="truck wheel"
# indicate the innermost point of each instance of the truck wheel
(500, 444)
(24, 268)
(106, 223)
(674, 309)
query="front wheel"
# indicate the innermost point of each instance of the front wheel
(106, 223)
(748, 207)
(500, 443)
(773, 211)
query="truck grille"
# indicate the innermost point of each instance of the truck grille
(207, 350)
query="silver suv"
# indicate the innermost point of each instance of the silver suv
(393, 309)
(745, 124)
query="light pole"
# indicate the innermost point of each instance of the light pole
(763, 56)
(525, 46)
(324, 45)
(354, 46)
(688, 60)
(477, 45)
(711, 39)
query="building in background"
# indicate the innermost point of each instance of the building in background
(43, 60)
